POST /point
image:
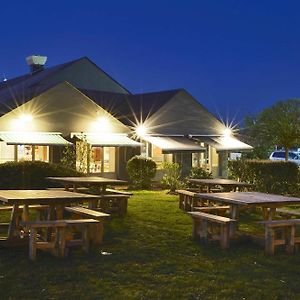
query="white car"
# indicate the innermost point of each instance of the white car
(280, 155)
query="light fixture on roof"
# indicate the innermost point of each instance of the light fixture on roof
(36, 63)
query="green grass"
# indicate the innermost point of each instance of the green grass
(152, 257)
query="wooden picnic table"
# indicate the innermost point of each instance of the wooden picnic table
(225, 183)
(56, 200)
(268, 202)
(75, 182)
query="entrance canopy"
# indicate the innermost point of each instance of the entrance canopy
(106, 140)
(170, 144)
(222, 143)
(33, 138)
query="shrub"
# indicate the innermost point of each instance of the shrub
(199, 173)
(31, 175)
(277, 177)
(195, 174)
(171, 179)
(141, 171)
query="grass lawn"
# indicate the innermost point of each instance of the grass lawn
(152, 257)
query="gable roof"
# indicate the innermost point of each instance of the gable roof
(19, 90)
(130, 108)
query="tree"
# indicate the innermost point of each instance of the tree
(278, 125)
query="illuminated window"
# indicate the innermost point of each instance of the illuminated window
(159, 157)
(24, 152)
(7, 152)
(109, 159)
(103, 159)
(41, 153)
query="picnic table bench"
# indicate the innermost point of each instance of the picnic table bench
(208, 226)
(281, 232)
(97, 230)
(57, 243)
(186, 199)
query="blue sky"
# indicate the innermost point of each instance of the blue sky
(235, 57)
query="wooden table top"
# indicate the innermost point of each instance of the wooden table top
(42, 196)
(87, 180)
(250, 198)
(219, 181)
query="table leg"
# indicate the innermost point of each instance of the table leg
(59, 212)
(233, 215)
(13, 221)
(25, 217)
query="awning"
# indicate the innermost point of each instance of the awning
(106, 140)
(223, 143)
(33, 138)
(170, 144)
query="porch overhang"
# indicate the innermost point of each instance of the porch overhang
(106, 140)
(33, 138)
(223, 143)
(171, 144)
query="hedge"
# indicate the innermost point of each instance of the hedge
(277, 177)
(31, 175)
(141, 171)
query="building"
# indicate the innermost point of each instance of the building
(77, 103)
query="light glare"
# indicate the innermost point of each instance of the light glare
(141, 130)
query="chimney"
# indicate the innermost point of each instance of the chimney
(36, 63)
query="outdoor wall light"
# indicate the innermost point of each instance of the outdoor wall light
(227, 132)
(141, 130)
(102, 124)
(23, 122)
(25, 118)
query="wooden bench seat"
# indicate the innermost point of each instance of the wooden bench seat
(97, 231)
(85, 212)
(208, 226)
(288, 213)
(186, 199)
(220, 210)
(86, 227)
(113, 191)
(58, 244)
(281, 232)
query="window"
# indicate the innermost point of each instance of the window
(7, 152)
(103, 159)
(159, 157)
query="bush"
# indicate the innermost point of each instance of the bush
(197, 173)
(171, 179)
(141, 171)
(31, 175)
(277, 177)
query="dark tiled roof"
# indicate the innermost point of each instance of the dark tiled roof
(17, 91)
(131, 108)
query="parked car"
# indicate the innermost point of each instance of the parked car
(280, 155)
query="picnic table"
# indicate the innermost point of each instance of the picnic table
(268, 202)
(56, 200)
(75, 182)
(228, 184)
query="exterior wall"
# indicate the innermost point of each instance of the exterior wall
(61, 109)
(84, 74)
(184, 115)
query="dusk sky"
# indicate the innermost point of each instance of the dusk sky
(234, 57)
